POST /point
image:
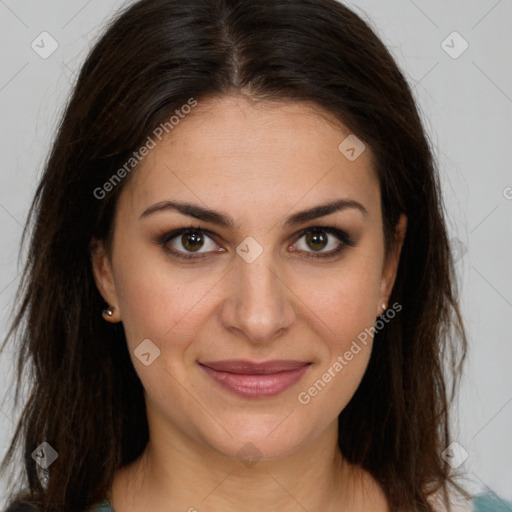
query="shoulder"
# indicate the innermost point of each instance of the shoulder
(102, 506)
(490, 503)
(483, 502)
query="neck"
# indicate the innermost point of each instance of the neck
(176, 472)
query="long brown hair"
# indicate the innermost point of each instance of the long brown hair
(85, 398)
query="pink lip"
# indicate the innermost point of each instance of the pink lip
(256, 380)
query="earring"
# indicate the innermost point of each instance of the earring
(108, 313)
(384, 306)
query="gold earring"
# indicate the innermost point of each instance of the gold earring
(384, 306)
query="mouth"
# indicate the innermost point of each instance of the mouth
(256, 380)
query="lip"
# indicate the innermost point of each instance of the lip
(256, 380)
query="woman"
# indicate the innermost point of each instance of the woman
(239, 293)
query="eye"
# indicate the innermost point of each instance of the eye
(185, 242)
(319, 238)
(192, 242)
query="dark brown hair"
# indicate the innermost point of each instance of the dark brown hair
(85, 398)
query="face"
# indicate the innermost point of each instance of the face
(252, 281)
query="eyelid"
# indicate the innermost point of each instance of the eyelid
(344, 238)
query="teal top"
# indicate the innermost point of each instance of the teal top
(490, 503)
(103, 506)
(481, 503)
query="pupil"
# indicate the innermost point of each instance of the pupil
(314, 238)
(196, 240)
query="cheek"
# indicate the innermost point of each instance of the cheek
(162, 300)
(348, 310)
(158, 303)
(346, 307)
(345, 299)
(328, 392)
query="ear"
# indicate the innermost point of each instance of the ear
(391, 264)
(102, 272)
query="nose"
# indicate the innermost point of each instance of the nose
(259, 303)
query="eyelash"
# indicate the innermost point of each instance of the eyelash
(344, 237)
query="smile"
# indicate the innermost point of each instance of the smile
(256, 380)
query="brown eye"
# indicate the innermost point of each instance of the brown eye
(192, 240)
(314, 240)
(317, 240)
(183, 243)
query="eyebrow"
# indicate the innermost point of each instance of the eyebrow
(215, 217)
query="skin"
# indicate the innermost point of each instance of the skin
(257, 163)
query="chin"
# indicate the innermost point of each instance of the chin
(257, 439)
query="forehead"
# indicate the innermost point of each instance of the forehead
(234, 151)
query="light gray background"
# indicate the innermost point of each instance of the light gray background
(466, 104)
